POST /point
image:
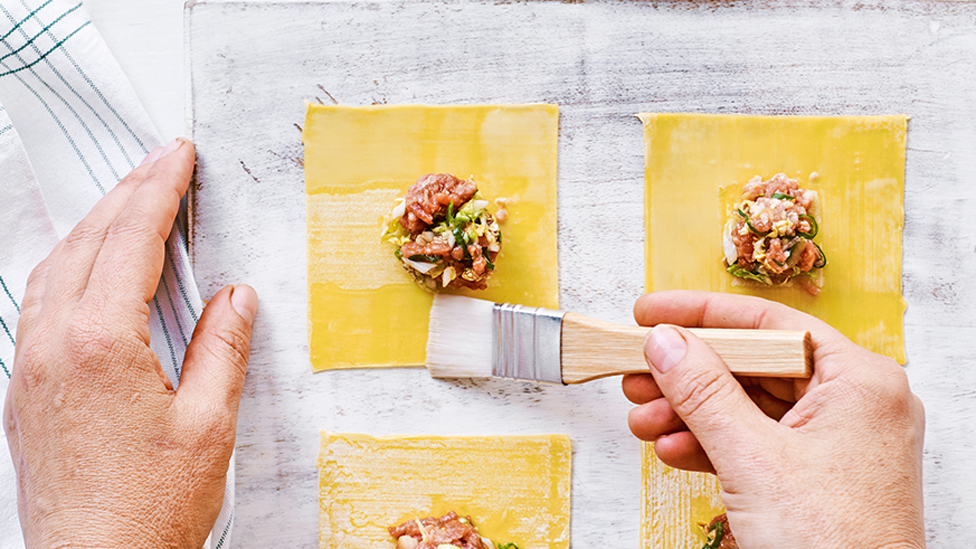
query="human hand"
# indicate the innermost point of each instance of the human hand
(107, 454)
(833, 461)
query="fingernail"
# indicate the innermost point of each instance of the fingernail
(172, 146)
(245, 301)
(152, 156)
(664, 348)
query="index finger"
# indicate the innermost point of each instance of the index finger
(130, 261)
(694, 309)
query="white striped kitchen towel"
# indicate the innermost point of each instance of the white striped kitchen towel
(75, 128)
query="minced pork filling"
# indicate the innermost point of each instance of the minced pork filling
(444, 235)
(769, 235)
(436, 532)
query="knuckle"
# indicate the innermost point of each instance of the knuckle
(38, 273)
(918, 406)
(918, 414)
(886, 393)
(29, 366)
(84, 339)
(89, 339)
(700, 386)
(131, 225)
(229, 345)
(30, 311)
(134, 178)
(903, 402)
(893, 385)
(84, 234)
(164, 181)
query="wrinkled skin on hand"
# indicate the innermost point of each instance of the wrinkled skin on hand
(107, 454)
(829, 462)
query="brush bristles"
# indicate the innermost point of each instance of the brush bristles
(459, 339)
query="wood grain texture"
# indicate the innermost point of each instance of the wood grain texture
(250, 66)
(593, 348)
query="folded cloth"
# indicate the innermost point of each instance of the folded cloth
(74, 115)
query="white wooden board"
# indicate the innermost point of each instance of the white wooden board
(250, 66)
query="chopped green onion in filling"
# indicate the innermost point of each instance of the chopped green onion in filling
(740, 272)
(716, 532)
(814, 228)
(822, 262)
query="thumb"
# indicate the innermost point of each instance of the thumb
(701, 389)
(216, 359)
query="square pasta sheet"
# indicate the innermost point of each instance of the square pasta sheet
(364, 310)
(696, 166)
(515, 488)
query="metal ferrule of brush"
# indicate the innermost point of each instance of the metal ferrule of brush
(526, 343)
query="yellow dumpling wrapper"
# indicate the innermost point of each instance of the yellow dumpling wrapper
(674, 503)
(515, 488)
(696, 166)
(364, 309)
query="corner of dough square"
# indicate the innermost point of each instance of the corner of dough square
(364, 310)
(515, 488)
(674, 503)
(696, 166)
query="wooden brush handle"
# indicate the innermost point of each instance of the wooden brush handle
(592, 349)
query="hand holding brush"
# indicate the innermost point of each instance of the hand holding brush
(475, 338)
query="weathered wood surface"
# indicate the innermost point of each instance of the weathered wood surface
(251, 65)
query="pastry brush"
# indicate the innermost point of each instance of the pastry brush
(473, 338)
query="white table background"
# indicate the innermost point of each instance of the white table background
(601, 62)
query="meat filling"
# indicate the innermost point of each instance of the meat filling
(444, 234)
(429, 198)
(769, 236)
(720, 534)
(431, 533)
